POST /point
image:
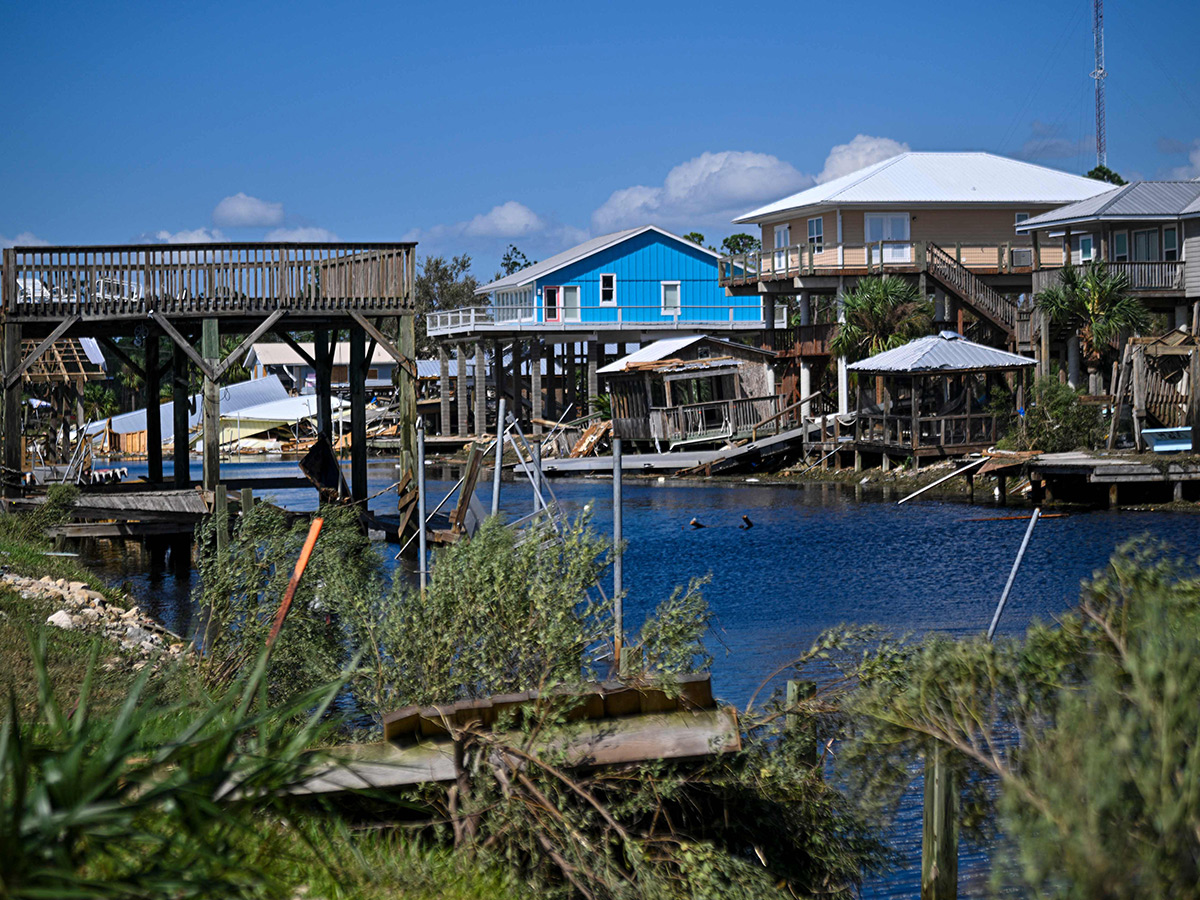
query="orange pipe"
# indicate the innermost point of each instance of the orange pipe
(301, 564)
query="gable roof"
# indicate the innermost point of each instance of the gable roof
(1136, 200)
(277, 353)
(940, 178)
(666, 349)
(948, 351)
(578, 252)
(233, 397)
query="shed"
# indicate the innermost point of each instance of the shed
(935, 396)
(691, 389)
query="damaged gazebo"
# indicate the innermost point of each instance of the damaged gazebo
(935, 397)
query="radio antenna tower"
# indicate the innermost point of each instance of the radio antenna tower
(1099, 75)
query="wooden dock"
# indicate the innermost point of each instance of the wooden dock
(1114, 479)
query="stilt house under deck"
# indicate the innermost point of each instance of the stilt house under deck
(933, 397)
(691, 390)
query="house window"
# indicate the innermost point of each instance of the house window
(670, 298)
(1083, 247)
(1170, 243)
(570, 303)
(816, 234)
(608, 289)
(1020, 217)
(550, 306)
(783, 238)
(1120, 246)
(1145, 246)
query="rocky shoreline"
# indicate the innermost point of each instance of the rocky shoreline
(87, 610)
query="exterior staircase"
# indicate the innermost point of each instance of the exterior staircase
(1001, 311)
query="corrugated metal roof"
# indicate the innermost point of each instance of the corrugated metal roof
(242, 395)
(945, 352)
(277, 353)
(91, 349)
(940, 178)
(667, 348)
(576, 253)
(287, 410)
(1136, 200)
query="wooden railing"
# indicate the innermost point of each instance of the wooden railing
(1143, 276)
(966, 284)
(206, 279)
(877, 257)
(715, 420)
(966, 429)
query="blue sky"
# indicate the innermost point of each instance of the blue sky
(469, 126)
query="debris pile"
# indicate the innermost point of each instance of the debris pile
(87, 610)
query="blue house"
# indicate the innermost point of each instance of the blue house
(584, 305)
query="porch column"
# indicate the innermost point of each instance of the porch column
(480, 390)
(535, 383)
(548, 354)
(843, 376)
(805, 387)
(593, 380)
(443, 390)
(358, 413)
(461, 389)
(805, 308)
(769, 311)
(1073, 376)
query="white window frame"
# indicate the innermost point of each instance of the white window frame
(1162, 243)
(662, 288)
(1120, 257)
(816, 242)
(1091, 254)
(1020, 217)
(575, 315)
(780, 258)
(613, 300)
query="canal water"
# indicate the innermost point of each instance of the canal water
(816, 556)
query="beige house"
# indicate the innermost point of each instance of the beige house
(947, 221)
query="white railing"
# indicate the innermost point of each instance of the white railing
(715, 419)
(504, 318)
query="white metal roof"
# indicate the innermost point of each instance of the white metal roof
(1151, 200)
(945, 352)
(277, 353)
(233, 397)
(666, 349)
(284, 411)
(531, 273)
(940, 178)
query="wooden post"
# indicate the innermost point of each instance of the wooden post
(939, 831)
(180, 399)
(798, 728)
(221, 511)
(210, 349)
(407, 328)
(548, 353)
(247, 500)
(443, 390)
(461, 393)
(1194, 398)
(358, 413)
(13, 463)
(536, 356)
(323, 357)
(154, 461)
(480, 390)
(593, 380)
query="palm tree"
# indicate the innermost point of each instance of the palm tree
(1097, 304)
(880, 314)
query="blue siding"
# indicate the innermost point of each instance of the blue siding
(641, 264)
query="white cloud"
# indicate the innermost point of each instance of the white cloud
(302, 235)
(188, 236)
(24, 239)
(1192, 169)
(508, 220)
(864, 150)
(244, 211)
(708, 189)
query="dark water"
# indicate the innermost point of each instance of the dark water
(817, 556)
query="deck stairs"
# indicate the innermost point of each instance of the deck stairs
(1001, 311)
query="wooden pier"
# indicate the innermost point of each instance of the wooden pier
(186, 298)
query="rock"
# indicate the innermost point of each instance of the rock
(88, 614)
(46, 579)
(77, 587)
(131, 613)
(62, 619)
(94, 596)
(135, 634)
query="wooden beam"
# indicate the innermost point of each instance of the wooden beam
(253, 336)
(12, 377)
(181, 342)
(120, 354)
(300, 351)
(381, 339)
